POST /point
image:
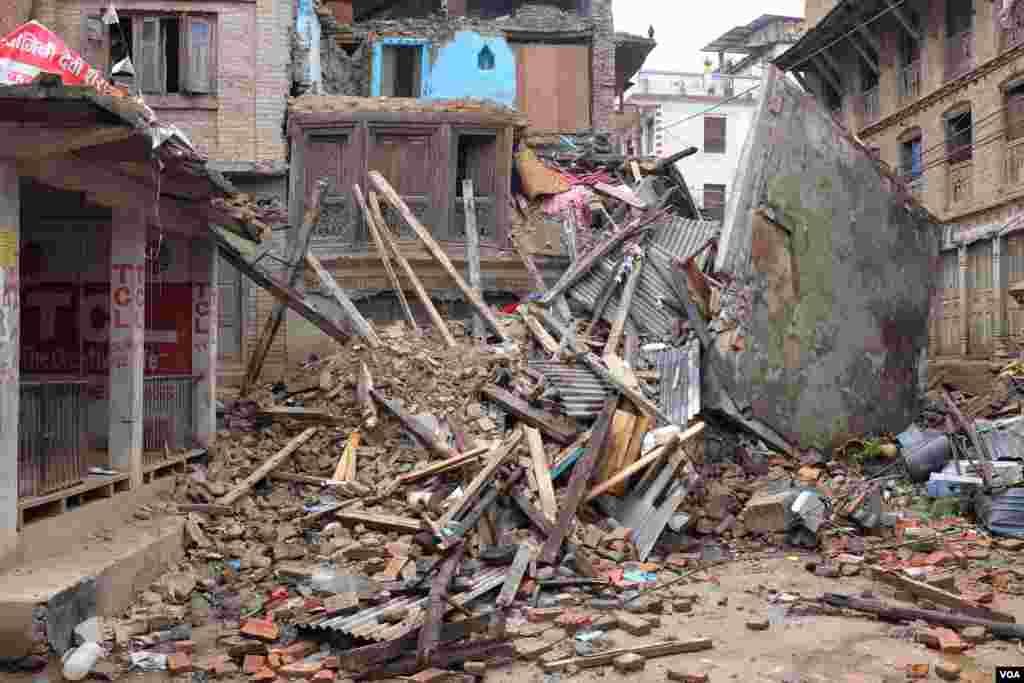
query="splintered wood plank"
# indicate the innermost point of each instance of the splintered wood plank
(405, 525)
(263, 470)
(543, 337)
(578, 482)
(531, 416)
(346, 468)
(437, 252)
(542, 474)
(642, 425)
(498, 455)
(665, 649)
(509, 589)
(665, 450)
(430, 632)
(623, 423)
(366, 403)
(451, 463)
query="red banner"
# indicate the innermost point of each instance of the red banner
(32, 49)
(49, 329)
(168, 329)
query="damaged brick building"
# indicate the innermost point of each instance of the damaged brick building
(432, 94)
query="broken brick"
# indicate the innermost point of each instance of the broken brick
(303, 669)
(254, 664)
(431, 676)
(686, 677)
(633, 624)
(629, 662)
(917, 671)
(179, 663)
(947, 670)
(261, 630)
(187, 646)
(264, 676)
(537, 615)
(324, 675)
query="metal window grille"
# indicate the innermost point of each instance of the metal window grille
(168, 415)
(49, 437)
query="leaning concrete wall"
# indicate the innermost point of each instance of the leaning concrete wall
(832, 268)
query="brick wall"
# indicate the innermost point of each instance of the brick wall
(603, 64)
(13, 13)
(993, 195)
(243, 122)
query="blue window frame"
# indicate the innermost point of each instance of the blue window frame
(421, 82)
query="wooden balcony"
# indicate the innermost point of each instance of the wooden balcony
(910, 81)
(871, 106)
(959, 54)
(1014, 164)
(960, 191)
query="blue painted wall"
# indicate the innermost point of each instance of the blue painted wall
(456, 72)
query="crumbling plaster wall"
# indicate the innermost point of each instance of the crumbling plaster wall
(349, 74)
(832, 269)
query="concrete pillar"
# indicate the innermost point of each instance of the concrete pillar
(127, 337)
(965, 308)
(10, 221)
(204, 339)
(1000, 329)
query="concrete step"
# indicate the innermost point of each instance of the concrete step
(95, 572)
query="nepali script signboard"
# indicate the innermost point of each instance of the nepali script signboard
(32, 49)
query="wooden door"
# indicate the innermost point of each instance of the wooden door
(949, 323)
(410, 161)
(553, 86)
(979, 301)
(229, 310)
(476, 159)
(329, 155)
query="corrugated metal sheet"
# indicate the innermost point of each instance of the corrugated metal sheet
(674, 238)
(679, 371)
(365, 624)
(581, 392)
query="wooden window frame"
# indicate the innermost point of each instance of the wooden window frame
(714, 189)
(188, 95)
(713, 149)
(962, 152)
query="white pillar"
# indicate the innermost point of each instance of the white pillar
(10, 309)
(204, 339)
(127, 337)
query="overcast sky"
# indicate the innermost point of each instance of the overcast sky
(683, 27)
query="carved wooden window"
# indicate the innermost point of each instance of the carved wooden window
(170, 53)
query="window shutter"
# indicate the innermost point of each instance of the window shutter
(714, 134)
(1015, 116)
(198, 51)
(146, 55)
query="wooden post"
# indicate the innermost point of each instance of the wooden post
(362, 326)
(437, 252)
(265, 469)
(542, 473)
(435, 317)
(295, 261)
(375, 227)
(537, 280)
(473, 249)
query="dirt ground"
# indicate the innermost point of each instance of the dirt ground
(805, 649)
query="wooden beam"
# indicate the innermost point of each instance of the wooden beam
(299, 248)
(870, 38)
(362, 327)
(430, 633)
(868, 59)
(38, 142)
(418, 429)
(832, 63)
(437, 252)
(584, 265)
(625, 302)
(509, 589)
(655, 454)
(473, 249)
(523, 411)
(581, 472)
(536, 279)
(542, 473)
(543, 337)
(404, 525)
(382, 251)
(436, 468)
(385, 235)
(263, 470)
(939, 596)
(664, 649)
(902, 18)
(496, 458)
